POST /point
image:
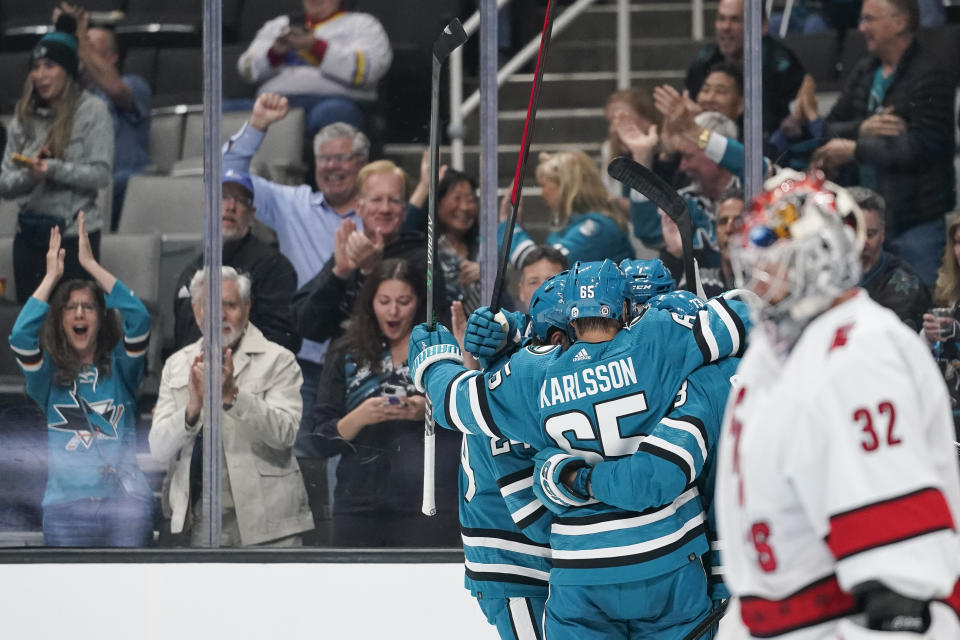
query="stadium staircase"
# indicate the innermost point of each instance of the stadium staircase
(580, 73)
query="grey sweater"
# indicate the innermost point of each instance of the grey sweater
(72, 182)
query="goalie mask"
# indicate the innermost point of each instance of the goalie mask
(798, 250)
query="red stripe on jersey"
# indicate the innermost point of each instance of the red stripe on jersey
(953, 600)
(889, 521)
(816, 603)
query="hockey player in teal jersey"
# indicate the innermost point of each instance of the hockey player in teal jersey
(598, 400)
(505, 527)
(645, 279)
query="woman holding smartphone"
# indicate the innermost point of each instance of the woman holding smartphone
(59, 152)
(368, 412)
(83, 368)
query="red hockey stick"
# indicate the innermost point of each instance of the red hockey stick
(504, 256)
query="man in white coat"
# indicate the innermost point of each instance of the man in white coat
(263, 497)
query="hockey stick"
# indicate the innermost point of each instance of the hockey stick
(712, 618)
(452, 37)
(504, 257)
(654, 188)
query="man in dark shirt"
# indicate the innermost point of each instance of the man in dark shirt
(889, 280)
(782, 70)
(893, 124)
(273, 278)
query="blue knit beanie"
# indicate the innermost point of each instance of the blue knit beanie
(60, 45)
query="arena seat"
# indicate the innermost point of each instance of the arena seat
(167, 23)
(136, 259)
(8, 217)
(13, 73)
(234, 86)
(163, 204)
(179, 78)
(278, 158)
(172, 207)
(6, 269)
(166, 138)
(11, 378)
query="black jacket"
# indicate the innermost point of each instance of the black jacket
(782, 76)
(322, 304)
(915, 169)
(273, 283)
(382, 468)
(894, 284)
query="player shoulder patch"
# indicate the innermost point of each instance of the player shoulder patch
(588, 228)
(840, 337)
(539, 350)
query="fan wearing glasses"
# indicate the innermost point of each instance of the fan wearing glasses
(273, 278)
(82, 367)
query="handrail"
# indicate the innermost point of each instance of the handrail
(455, 128)
(459, 111)
(696, 19)
(460, 108)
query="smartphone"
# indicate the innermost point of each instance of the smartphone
(22, 160)
(394, 395)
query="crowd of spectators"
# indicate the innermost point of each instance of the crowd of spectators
(322, 427)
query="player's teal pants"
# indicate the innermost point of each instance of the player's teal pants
(515, 618)
(666, 607)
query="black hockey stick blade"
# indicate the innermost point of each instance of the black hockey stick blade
(712, 618)
(504, 256)
(452, 37)
(654, 188)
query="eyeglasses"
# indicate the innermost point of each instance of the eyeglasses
(71, 307)
(866, 18)
(241, 200)
(338, 158)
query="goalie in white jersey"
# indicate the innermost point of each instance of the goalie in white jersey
(838, 489)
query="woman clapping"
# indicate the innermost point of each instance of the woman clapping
(83, 370)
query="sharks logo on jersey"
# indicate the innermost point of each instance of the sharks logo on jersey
(86, 420)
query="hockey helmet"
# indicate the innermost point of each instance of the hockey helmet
(645, 279)
(594, 290)
(799, 248)
(546, 307)
(682, 302)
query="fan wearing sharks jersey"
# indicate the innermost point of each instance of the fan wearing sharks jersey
(598, 399)
(83, 371)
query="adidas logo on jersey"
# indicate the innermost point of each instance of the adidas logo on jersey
(580, 357)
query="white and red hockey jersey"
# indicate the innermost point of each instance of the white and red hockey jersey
(837, 467)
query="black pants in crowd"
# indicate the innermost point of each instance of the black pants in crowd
(30, 258)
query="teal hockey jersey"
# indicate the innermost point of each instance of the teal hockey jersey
(599, 401)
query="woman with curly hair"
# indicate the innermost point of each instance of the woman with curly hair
(369, 412)
(83, 370)
(59, 152)
(586, 227)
